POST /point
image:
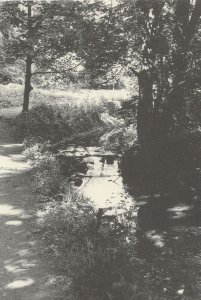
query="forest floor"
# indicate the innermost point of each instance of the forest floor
(25, 274)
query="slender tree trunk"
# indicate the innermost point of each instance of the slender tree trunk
(28, 87)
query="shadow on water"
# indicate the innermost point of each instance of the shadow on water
(151, 244)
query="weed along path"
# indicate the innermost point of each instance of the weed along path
(24, 273)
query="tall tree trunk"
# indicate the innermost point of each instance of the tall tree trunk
(28, 87)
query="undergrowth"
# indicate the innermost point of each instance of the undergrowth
(55, 122)
(98, 124)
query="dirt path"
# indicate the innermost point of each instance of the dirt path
(24, 273)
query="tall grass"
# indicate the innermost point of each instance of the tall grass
(97, 124)
(56, 122)
(12, 94)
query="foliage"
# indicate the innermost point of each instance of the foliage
(46, 170)
(102, 44)
(42, 44)
(161, 56)
(89, 124)
(66, 52)
(57, 122)
(25, 28)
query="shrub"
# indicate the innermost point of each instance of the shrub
(44, 121)
(48, 179)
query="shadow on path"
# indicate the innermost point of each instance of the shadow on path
(24, 275)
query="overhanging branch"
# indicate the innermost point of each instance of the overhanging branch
(57, 71)
(48, 72)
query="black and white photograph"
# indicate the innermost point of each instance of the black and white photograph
(100, 149)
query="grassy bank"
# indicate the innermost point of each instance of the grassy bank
(91, 250)
(95, 124)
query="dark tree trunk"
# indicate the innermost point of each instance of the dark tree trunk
(28, 87)
(145, 108)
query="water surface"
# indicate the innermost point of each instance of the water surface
(165, 233)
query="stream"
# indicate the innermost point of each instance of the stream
(165, 233)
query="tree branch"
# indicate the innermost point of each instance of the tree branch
(48, 72)
(57, 71)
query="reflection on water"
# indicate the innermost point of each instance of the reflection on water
(104, 185)
(163, 240)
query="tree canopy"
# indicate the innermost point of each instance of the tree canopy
(156, 41)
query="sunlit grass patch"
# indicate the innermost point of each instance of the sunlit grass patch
(11, 95)
(83, 96)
